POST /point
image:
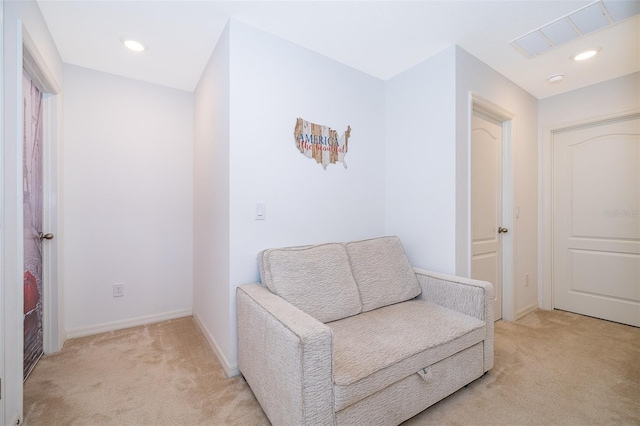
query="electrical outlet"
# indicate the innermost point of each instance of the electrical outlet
(118, 290)
(526, 279)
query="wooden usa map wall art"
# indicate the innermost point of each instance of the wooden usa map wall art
(321, 142)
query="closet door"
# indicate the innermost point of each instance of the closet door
(596, 220)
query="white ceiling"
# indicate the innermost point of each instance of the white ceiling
(381, 38)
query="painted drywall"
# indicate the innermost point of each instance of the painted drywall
(23, 15)
(474, 76)
(420, 161)
(613, 97)
(128, 196)
(273, 82)
(610, 97)
(427, 140)
(211, 201)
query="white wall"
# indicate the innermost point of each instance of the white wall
(128, 194)
(605, 99)
(610, 97)
(211, 201)
(427, 154)
(472, 75)
(273, 82)
(420, 161)
(16, 15)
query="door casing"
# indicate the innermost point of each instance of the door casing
(20, 51)
(507, 119)
(36, 67)
(2, 295)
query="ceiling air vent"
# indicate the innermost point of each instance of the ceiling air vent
(593, 17)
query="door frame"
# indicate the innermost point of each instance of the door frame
(3, 321)
(52, 309)
(545, 201)
(507, 247)
(17, 46)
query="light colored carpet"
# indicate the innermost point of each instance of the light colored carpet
(552, 368)
(158, 374)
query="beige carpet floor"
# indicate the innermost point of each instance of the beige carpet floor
(159, 374)
(551, 368)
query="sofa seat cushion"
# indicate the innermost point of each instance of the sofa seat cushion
(315, 279)
(377, 348)
(382, 272)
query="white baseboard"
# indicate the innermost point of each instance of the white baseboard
(229, 369)
(526, 311)
(128, 323)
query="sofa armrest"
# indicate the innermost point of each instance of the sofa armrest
(286, 357)
(469, 296)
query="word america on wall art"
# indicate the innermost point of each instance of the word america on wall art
(321, 142)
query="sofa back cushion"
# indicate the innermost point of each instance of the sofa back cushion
(315, 279)
(382, 272)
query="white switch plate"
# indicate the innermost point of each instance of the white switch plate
(118, 290)
(261, 211)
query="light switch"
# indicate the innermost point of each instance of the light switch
(261, 211)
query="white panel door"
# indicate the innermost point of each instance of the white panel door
(486, 204)
(596, 220)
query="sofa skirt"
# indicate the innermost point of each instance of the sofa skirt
(411, 395)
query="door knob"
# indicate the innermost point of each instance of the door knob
(502, 230)
(48, 236)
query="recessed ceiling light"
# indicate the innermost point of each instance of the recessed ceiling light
(555, 78)
(586, 54)
(134, 45)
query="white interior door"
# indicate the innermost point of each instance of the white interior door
(596, 221)
(486, 203)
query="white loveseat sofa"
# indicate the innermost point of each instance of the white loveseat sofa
(350, 333)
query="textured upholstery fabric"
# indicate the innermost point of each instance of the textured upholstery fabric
(263, 275)
(285, 356)
(409, 396)
(378, 367)
(317, 280)
(377, 348)
(382, 272)
(472, 297)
